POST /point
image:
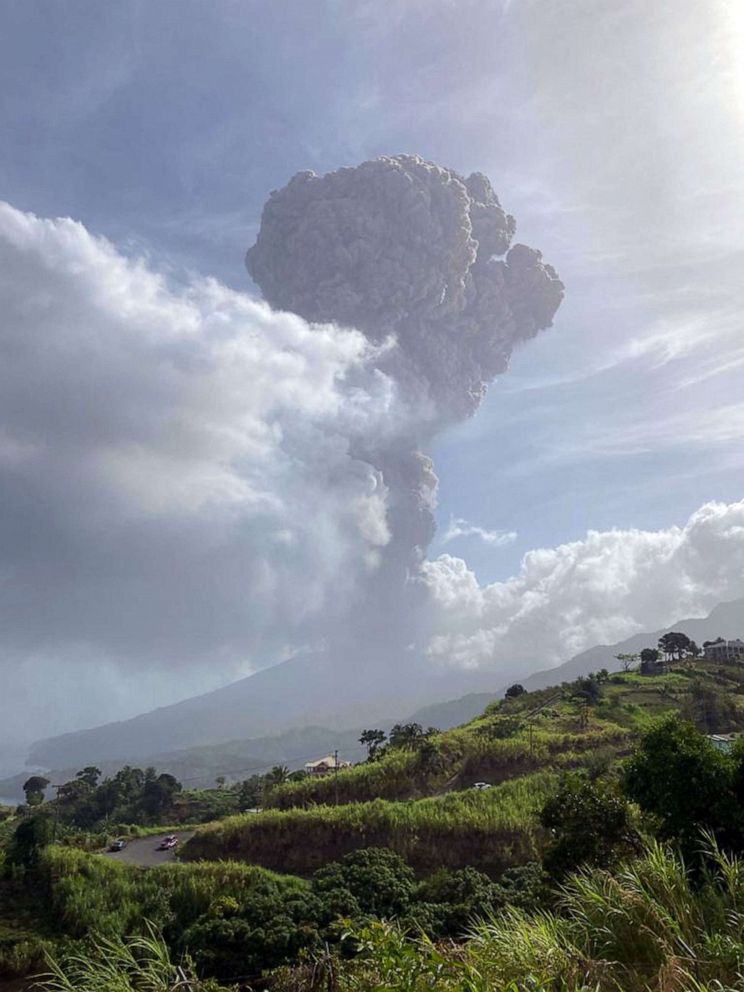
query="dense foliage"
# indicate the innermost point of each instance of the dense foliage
(545, 868)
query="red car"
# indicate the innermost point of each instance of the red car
(168, 842)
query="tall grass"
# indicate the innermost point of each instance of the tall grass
(490, 830)
(83, 894)
(463, 755)
(112, 964)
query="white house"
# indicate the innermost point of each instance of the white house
(324, 765)
(725, 651)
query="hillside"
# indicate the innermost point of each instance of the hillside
(408, 827)
(420, 800)
(302, 692)
(198, 767)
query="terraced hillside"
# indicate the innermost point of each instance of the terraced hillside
(421, 802)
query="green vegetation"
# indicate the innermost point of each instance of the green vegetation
(490, 830)
(645, 928)
(402, 851)
(133, 964)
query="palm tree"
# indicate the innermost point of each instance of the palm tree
(278, 775)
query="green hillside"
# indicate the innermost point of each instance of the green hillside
(420, 801)
(403, 835)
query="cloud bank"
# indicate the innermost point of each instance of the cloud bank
(597, 591)
(179, 486)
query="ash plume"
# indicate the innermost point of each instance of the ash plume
(399, 246)
(405, 250)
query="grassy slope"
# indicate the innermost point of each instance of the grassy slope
(490, 830)
(422, 807)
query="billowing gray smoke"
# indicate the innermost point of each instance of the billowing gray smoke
(402, 248)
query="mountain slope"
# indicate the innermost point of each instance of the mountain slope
(302, 692)
(308, 690)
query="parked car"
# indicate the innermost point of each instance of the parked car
(168, 842)
(482, 785)
(118, 845)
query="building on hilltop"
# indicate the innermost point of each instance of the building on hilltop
(724, 651)
(323, 766)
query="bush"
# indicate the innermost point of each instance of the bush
(589, 825)
(378, 881)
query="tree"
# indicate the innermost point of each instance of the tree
(34, 789)
(674, 645)
(628, 661)
(278, 775)
(514, 691)
(373, 740)
(220, 781)
(158, 794)
(378, 880)
(249, 795)
(459, 897)
(409, 736)
(90, 775)
(587, 690)
(589, 825)
(31, 836)
(680, 778)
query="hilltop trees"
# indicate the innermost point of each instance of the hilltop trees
(514, 691)
(675, 645)
(628, 661)
(374, 741)
(34, 789)
(409, 736)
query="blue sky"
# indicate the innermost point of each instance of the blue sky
(613, 131)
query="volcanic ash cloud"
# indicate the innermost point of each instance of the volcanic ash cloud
(408, 252)
(399, 246)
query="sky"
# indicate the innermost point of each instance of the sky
(612, 131)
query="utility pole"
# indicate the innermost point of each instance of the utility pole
(56, 815)
(335, 774)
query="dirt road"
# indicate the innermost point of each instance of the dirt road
(144, 850)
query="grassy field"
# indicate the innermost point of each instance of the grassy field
(490, 830)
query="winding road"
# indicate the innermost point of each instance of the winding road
(144, 850)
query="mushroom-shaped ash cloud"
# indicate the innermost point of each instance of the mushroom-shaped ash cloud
(399, 246)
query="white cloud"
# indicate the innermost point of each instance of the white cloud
(599, 590)
(178, 484)
(461, 528)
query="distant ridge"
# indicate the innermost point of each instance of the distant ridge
(726, 620)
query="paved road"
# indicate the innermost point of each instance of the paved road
(143, 850)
